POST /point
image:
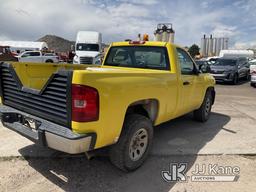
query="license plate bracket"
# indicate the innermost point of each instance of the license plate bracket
(22, 119)
(30, 123)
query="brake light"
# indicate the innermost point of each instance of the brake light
(85, 103)
(136, 42)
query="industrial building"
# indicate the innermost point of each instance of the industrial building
(211, 46)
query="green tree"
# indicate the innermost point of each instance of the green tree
(194, 50)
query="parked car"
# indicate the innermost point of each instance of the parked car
(83, 108)
(38, 57)
(230, 69)
(203, 65)
(253, 72)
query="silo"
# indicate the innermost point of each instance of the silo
(165, 36)
(207, 47)
(210, 46)
(214, 46)
(218, 46)
(222, 43)
(158, 35)
(226, 43)
(171, 35)
(203, 46)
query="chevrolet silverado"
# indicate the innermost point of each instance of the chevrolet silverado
(80, 108)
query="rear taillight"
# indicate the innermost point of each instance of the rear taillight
(85, 103)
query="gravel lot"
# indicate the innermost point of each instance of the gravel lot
(227, 139)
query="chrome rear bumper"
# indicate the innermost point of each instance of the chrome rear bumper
(46, 133)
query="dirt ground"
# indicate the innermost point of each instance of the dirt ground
(227, 139)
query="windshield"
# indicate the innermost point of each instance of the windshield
(138, 57)
(87, 47)
(201, 62)
(225, 62)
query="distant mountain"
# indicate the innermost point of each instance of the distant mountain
(57, 44)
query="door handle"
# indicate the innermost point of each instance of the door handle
(186, 83)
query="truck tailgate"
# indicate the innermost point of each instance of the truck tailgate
(38, 89)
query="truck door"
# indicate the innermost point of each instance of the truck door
(36, 56)
(31, 57)
(191, 83)
(25, 57)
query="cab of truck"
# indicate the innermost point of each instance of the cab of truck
(88, 48)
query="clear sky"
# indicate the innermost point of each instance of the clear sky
(122, 19)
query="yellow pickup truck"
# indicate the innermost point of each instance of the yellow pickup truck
(80, 108)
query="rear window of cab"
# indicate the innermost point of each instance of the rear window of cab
(146, 57)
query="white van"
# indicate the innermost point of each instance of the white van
(237, 53)
(88, 48)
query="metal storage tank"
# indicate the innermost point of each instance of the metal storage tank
(203, 46)
(164, 32)
(210, 46)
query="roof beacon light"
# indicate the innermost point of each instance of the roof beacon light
(136, 42)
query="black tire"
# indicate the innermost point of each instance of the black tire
(235, 79)
(253, 85)
(203, 113)
(247, 76)
(121, 152)
(49, 61)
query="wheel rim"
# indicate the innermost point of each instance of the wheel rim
(207, 106)
(138, 144)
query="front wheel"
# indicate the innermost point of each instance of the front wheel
(134, 143)
(247, 77)
(235, 79)
(203, 113)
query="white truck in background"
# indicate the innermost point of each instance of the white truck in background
(38, 57)
(88, 48)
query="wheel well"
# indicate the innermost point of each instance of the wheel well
(49, 61)
(147, 108)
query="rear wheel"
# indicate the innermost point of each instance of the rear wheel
(203, 113)
(253, 84)
(134, 143)
(49, 61)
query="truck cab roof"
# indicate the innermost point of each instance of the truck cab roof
(140, 43)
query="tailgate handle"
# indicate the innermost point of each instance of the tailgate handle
(186, 83)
